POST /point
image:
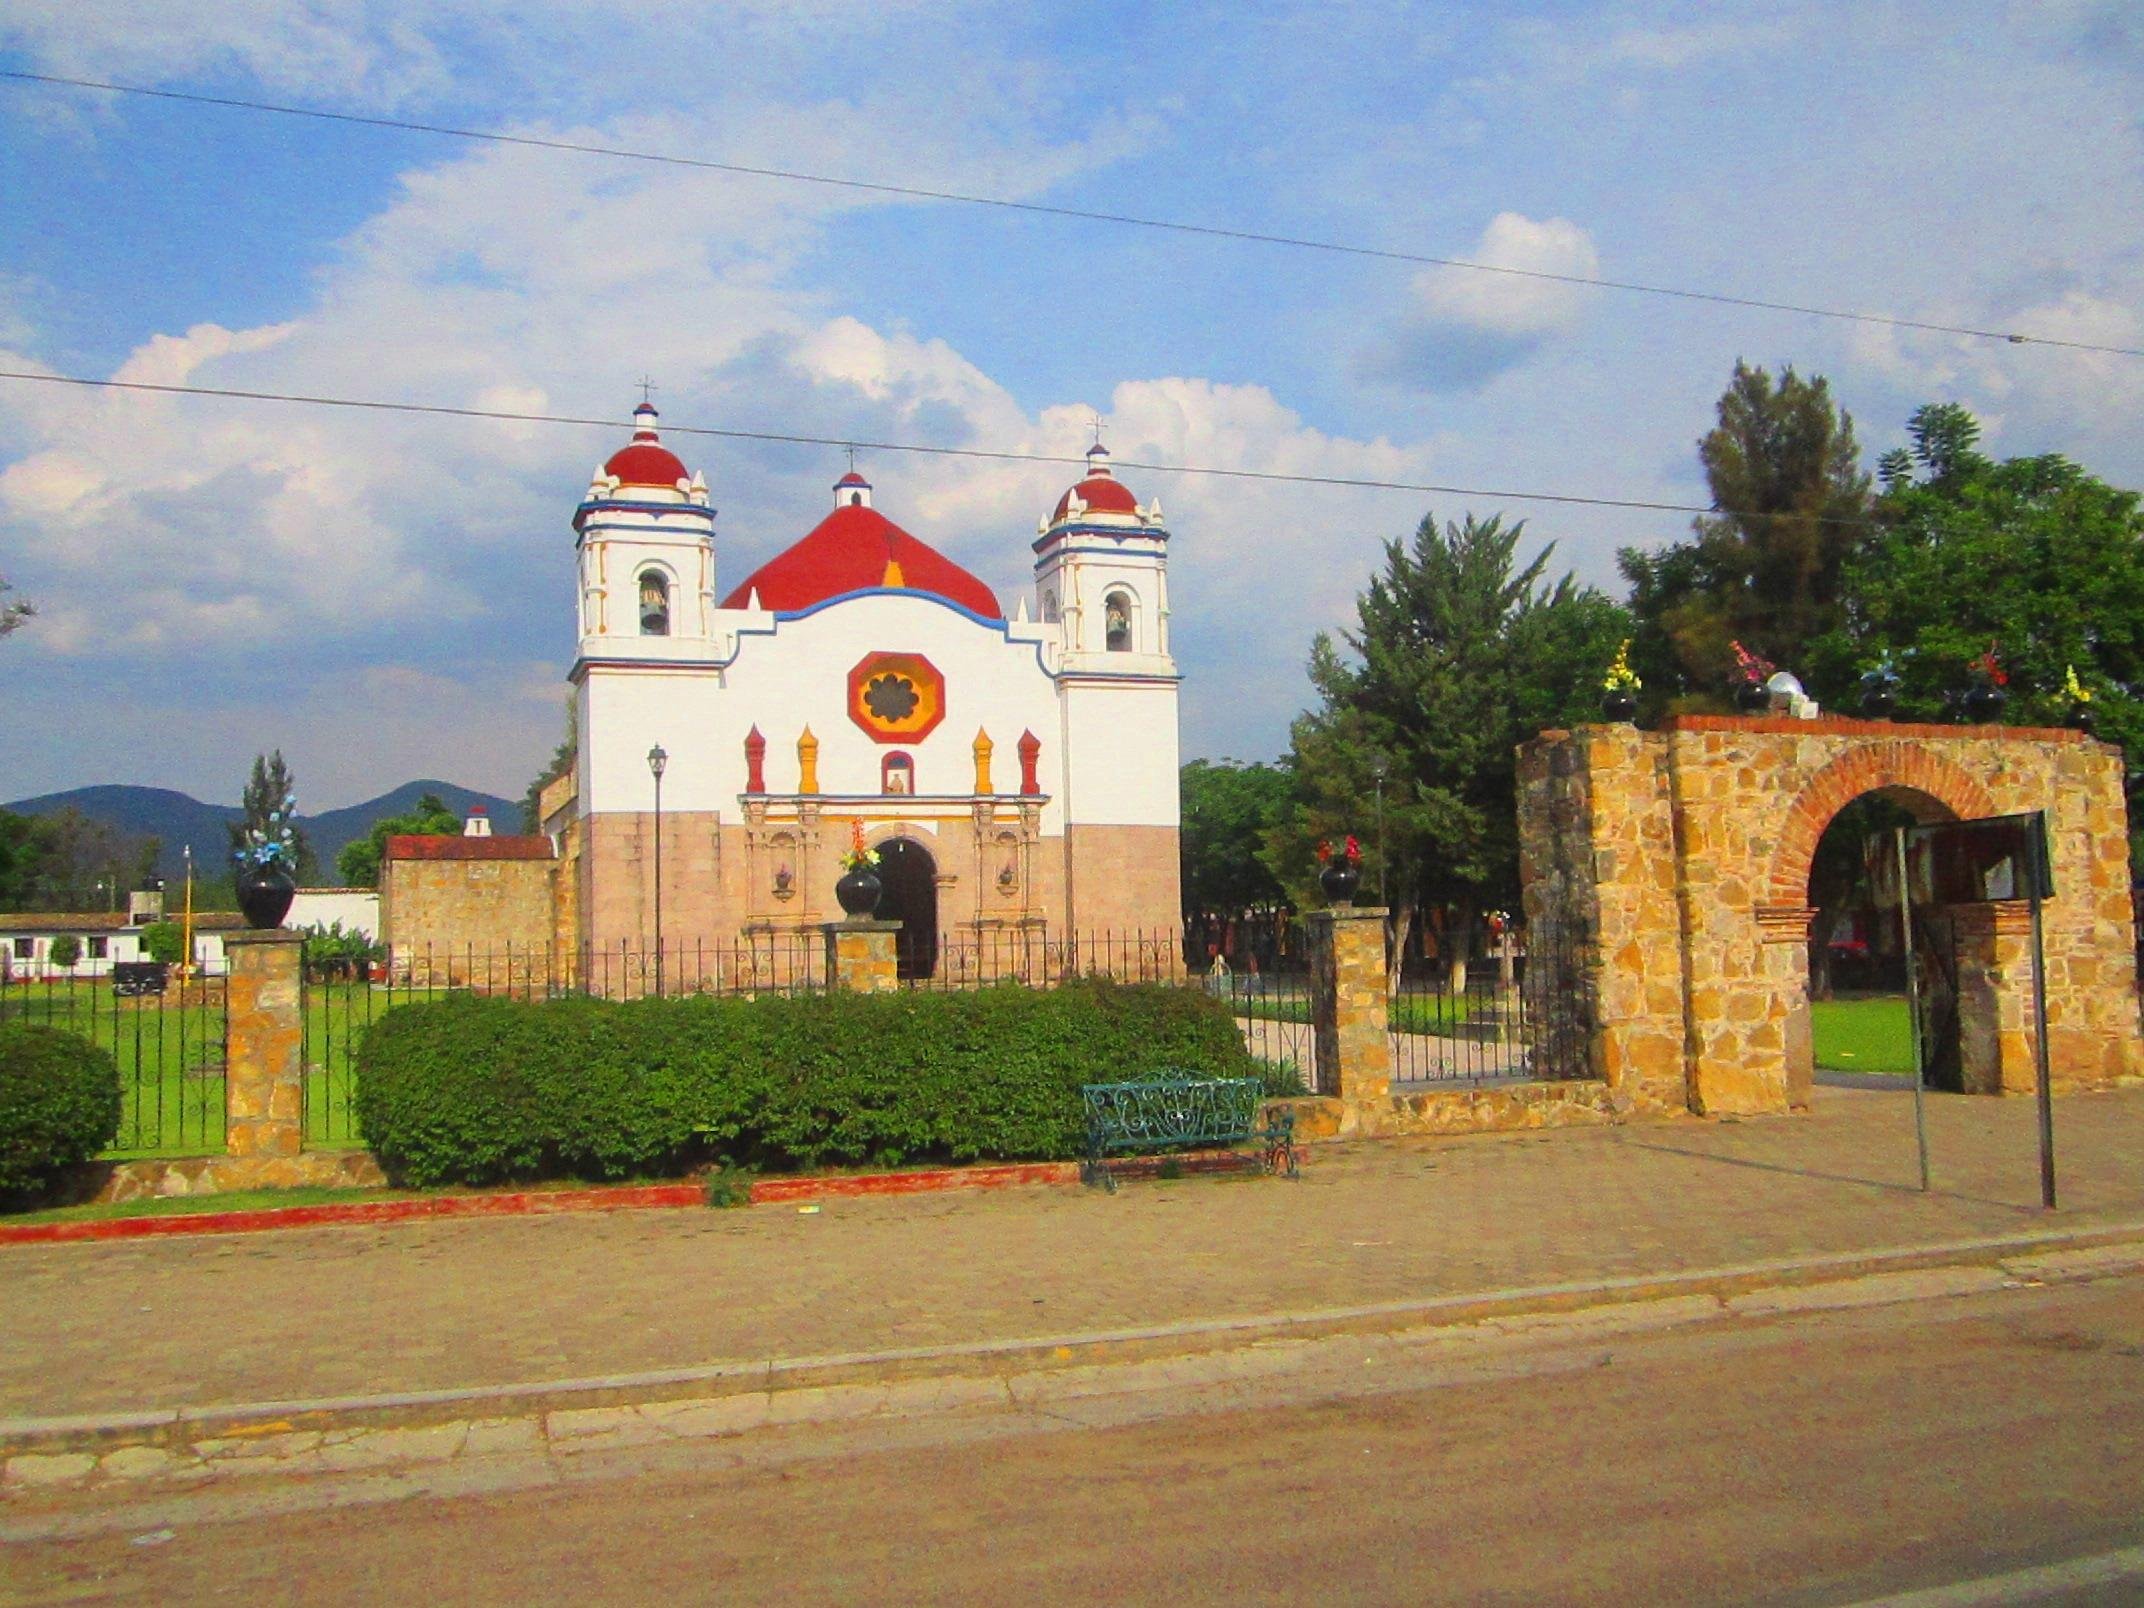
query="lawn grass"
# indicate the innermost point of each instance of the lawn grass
(171, 1058)
(1433, 1013)
(1863, 1035)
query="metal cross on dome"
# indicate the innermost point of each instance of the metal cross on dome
(647, 388)
(1096, 419)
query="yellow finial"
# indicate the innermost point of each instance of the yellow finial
(983, 748)
(807, 762)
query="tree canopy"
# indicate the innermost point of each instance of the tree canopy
(359, 862)
(1459, 654)
(67, 861)
(1767, 568)
(11, 614)
(1228, 810)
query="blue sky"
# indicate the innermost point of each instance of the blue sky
(386, 597)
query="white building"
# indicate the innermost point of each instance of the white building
(1016, 771)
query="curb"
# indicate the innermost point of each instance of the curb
(537, 1202)
(205, 1434)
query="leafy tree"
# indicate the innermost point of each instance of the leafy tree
(1459, 655)
(562, 758)
(266, 790)
(66, 950)
(1228, 808)
(359, 861)
(2032, 554)
(1766, 569)
(164, 941)
(330, 951)
(11, 614)
(58, 861)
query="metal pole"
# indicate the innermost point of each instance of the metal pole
(658, 883)
(2039, 1024)
(1913, 1005)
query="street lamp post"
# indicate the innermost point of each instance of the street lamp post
(1379, 773)
(657, 759)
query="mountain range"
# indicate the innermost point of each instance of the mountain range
(178, 819)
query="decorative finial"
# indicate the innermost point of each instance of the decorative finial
(1096, 419)
(852, 460)
(647, 389)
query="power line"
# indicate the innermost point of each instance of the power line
(1083, 214)
(993, 455)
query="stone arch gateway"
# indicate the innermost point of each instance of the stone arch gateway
(1682, 855)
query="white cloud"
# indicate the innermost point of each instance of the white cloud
(1465, 326)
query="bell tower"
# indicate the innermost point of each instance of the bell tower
(1102, 589)
(647, 554)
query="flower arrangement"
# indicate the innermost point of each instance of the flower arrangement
(1883, 673)
(1351, 852)
(276, 844)
(1754, 669)
(1620, 677)
(859, 856)
(1988, 667)
(2073, 689)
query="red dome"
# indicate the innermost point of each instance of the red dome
(851, 550)
(1103, 494)
(646, 463)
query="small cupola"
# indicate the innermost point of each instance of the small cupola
(852, 491)
(478, 823)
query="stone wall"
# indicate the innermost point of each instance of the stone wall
(1685, 853)
(464, 921)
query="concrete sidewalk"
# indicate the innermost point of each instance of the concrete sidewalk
(95, 1329)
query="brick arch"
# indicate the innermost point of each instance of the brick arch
(1872, 767)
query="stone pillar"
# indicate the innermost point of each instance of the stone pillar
(264, 1087)
(1996, 1049)
(860, 956)
(1347, 1003)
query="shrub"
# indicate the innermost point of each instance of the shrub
(478, 1090)
(59, 1104)
(66, 950)
(164, 941)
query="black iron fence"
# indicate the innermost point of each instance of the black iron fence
(165, 1032)
(1036, 957)
(1499, 1005)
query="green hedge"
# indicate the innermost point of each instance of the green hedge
(59, 1104)
(470, 1090)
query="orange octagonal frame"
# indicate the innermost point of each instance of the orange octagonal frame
(896, 697)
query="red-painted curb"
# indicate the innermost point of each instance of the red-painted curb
(765, 1191)
(771, 1190)
(358, 1211)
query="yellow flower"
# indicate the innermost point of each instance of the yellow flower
(2073, 689)
(1620, 677)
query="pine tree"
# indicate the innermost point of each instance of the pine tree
(1459, 655)
(266, 789)
(1767, 568)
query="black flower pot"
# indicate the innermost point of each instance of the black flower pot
(1878, 702)
(2078, 717)
(264, 895)
(857, 892)
(1619, 703)
(1753, 698)
(1338, 880)
(1984, 703)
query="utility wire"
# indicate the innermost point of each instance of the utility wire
(796, 438)
(1083, 214)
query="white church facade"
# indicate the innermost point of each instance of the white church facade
(1015, 771)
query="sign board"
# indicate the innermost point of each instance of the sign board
(1997, 858)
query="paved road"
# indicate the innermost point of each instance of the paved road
(95, 1328)
(1803, 1457)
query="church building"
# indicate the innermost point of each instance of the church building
(1014, 771)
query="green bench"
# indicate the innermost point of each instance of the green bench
(1178, 1110)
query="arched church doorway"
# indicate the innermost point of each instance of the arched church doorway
(1878, 1012)
(908, 879)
